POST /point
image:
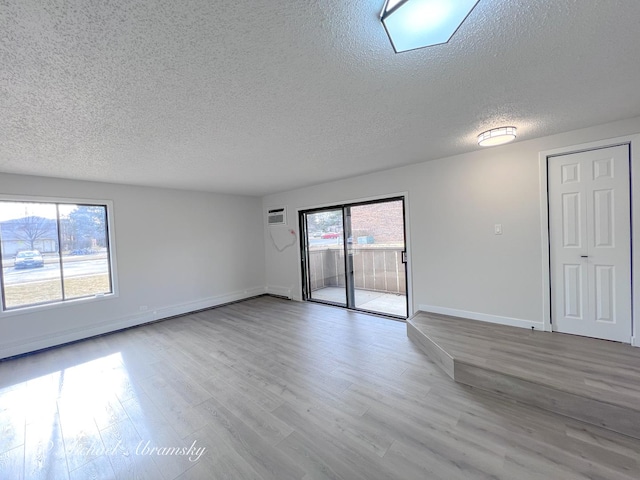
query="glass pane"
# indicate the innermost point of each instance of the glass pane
(377, 243)
(422, 23)
(85, 250)
(30, 261)
(326, 256)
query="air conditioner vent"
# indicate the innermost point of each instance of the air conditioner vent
(277, 216)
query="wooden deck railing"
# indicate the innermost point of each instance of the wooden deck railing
(379, 269)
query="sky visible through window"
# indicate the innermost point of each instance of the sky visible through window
(13, 210)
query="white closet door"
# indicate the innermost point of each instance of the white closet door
(590, 242)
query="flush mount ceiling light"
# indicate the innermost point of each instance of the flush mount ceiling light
(497, 136)
(413, 24)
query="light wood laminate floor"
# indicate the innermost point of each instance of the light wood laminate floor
(276, 389)
(583, 366)
(591, 380)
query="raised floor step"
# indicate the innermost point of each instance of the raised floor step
(595, 381)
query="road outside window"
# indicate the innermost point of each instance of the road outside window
(53, 252)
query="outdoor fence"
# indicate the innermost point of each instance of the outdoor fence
(377, 269)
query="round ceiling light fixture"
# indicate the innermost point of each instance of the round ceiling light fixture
(497, 136)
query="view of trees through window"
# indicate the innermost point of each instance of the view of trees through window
(53, 252)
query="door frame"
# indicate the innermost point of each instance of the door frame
(339, 203)
(634, 164)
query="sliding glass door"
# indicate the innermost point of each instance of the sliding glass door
(354, 256)
(377, 253)
(325, 256)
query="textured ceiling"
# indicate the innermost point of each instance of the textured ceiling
(259, 96)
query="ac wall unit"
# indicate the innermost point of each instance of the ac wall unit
(277, 216)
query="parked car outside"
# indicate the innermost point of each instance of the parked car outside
(331, 235)
(82, 251)
(28, 259)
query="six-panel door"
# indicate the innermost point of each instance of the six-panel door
(590, 243)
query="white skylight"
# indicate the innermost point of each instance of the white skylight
(413, 24)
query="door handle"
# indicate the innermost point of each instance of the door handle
(584, 256)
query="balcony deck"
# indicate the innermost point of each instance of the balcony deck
(385, 303)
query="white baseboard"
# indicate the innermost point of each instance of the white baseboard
(280, 291)
(71, 335)
(635, 342)
(183, 308)
(483, 317)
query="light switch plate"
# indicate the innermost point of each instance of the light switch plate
(497, 229)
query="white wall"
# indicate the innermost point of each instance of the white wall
(176, 251)
(458, 265)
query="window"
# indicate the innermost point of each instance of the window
(53, 252)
